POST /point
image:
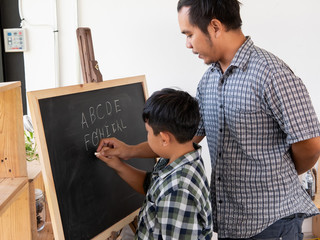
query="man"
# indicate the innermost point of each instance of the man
(261, 127)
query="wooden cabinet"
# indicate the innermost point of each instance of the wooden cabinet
(15, 221)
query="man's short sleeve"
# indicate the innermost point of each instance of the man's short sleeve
(290, 104)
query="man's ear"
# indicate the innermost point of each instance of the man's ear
(216, 27)
(165, 138)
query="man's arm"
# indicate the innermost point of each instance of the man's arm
(197, 139)
(305, 154)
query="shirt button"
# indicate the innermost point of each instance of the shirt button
(219, 154)
(219, 179)
(220, 201)
(212, 69)
(220, 129)
(221, 106)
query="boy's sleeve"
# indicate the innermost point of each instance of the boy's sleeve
(178, 216)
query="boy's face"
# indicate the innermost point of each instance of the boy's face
(154, 141)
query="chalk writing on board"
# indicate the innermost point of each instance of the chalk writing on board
(102, 112)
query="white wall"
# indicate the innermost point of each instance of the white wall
(143, 37)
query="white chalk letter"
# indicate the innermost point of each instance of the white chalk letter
(84, 121)
(92, 116)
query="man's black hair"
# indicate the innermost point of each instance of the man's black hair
(173, 111)
(201, 13)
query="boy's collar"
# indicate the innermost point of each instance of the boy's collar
(163, 170)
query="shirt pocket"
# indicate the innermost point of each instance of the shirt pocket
(249, 130)
(244, 122)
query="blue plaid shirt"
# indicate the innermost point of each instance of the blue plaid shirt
(178, 203)
(251, 114)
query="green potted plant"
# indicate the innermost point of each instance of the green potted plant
(30, 144)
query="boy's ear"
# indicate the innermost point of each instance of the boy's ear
(165, 138)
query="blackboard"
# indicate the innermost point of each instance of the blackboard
(89, 196)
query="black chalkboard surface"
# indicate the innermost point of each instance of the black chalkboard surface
(90, 196)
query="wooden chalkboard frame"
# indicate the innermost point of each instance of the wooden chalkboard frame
(34, 97)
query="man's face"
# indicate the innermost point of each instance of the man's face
(199, 42)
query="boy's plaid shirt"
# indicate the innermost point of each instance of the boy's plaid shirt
(177, 204)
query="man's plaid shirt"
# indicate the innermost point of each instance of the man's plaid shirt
(178, 203)
(251, 114)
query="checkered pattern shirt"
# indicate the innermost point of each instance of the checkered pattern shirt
(251, 114)
(177, 204)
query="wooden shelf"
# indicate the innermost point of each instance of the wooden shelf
(9, 188)
(36, 181)
(14, 209)
(15, 194)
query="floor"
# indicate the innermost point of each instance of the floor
(309, 236)
(128, 235)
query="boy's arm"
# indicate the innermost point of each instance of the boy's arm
(115, 147)
(134, 177)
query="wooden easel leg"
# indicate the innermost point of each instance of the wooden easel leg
(134, 224)
(115, 236)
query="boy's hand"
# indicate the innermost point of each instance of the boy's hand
(112, 147)
(111, 161)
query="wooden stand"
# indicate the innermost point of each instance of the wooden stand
(15, 222)
(90, 67)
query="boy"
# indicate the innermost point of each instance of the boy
(177, 204)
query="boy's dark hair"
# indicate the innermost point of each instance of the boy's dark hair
(201, 13)
(173, 111)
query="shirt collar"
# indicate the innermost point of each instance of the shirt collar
(241, 58)
(164, 171)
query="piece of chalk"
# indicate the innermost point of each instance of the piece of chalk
(96, 153)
